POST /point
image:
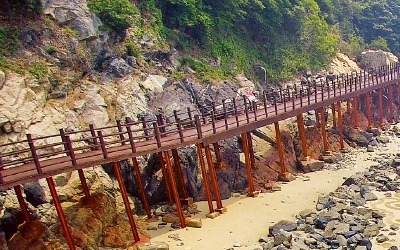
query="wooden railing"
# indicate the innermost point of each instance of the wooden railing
(38, 157)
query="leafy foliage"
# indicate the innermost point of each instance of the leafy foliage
(115, 14)
(8, 40)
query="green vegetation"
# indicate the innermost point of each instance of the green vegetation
(9, 40)
(115, 14)
(39, 70)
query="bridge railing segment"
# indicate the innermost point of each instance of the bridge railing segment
(69, 150)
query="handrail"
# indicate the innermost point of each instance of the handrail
(172, 129)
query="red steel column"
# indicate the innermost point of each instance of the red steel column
(248, 165)
(251, 150)
(355, 112)
(380, 107)
(348, 106)
(165, 177)
(138, 178)
(84, 183)
(179, 174)
(323, 131)
(302, 135)
(340, 125)
(22, 204)
(317, 118)
(280, 148)
(333, 107)
(205, 177)
(174, 190)
(390, 93)
(132, 223)
(214, 181)
(368, 104)
(217, 152)
(60, 213)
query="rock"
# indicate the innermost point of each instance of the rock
(311, 165)
(282, 236)
(307, 213)
(370, 148)
(34, 193)
(381, 238)
(374, 59)
(155, 245)
(370, 197)
(2, 78)
(193, 222)
(119, 68)
(284, 225)
(382, 139)
(154, 83)
(29, 236)
(75, 14)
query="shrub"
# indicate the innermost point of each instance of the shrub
(115, 14)
(39, 70)
(8, 40)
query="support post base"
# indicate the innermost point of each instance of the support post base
(188, 201)
(253, 194)
(212, 215)
(221, 210)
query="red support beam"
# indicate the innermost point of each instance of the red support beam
(380, 97)
(179, 174)
(60, 213)
(323, 131)
(348, 106)
(213, 176)
(340, 125)
(165, 177)
(280, 148)
(138, 178)
(174, 190)
(132, 223)
(390, 95)
(205, 177)
(368, 105)
(355, 112)
(302, 135)
(334, 123)
(251, 150)
(22, 204)
(84, 183)
(248, 165)
(317, 118)
(217, 152)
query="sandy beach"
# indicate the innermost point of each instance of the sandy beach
(248, 218)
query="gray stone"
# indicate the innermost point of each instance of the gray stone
(284, 225)
(2, 78)
(119, 68)
(341, 240)
(371, 230)
(370, 197)
(381, 238)
(307, 212)
(281, 237)
(382, 139)
(156, 245)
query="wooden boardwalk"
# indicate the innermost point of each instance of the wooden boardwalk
(42, 157)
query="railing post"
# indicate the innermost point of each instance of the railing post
(236, 112)
(254, 110)
(93, 133)
(1, 169)
(190, 116)
(315, 92)
(128, 120)
(322, 89)
(265, 105)
(179, 126)
(120, 132)
(157, 134)
(276, 107)
(308, 93)
(71, 150)
(161, 125)
(34, 153)
(102, 144)
(198, 127)
(225, 114)
(213, 122)
(246, 109)
(145, 129)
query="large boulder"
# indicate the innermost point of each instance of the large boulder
(75, 14)
(373, 59)
(342, 64)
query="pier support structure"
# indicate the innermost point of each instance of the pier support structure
(390, 97)
(284, 172)
(323, 131)
(340, 125)
(368, 106)
(165, 178)
(22, 204)
(214, 181)
(60, 213)
(302, 135)
(246, 152)
(132, 223)
(334, 122)
(355, 112)
(380, 103)
(138, 178)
